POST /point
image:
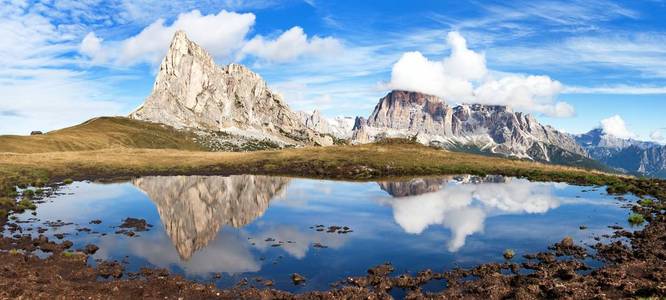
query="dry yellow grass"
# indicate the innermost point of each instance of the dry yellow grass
(119, 147)
(351, 162)
(101, 133)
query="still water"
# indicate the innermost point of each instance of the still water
(250, 226)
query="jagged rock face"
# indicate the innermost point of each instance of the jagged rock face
(191, 91)
(194, 208)
(494, 129)
(339, 127)
(628, 155)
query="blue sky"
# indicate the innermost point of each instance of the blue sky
(67, 61)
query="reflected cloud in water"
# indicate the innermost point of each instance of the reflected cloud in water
(462, 204)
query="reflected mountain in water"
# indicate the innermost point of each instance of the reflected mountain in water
(194, 208)
(462, 204)
(419, 186)
(412, 187)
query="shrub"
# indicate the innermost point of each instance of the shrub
(636, 219)
(68, 181)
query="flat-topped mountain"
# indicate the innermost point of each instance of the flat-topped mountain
(193, 92)
(477, 128)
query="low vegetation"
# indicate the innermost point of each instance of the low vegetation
(509, 254)
(636, 219)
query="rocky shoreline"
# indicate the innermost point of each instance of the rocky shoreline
(634, 266)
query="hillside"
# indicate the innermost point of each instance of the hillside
(102, 133)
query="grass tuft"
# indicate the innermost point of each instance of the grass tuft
(646, 202)
(636, 219)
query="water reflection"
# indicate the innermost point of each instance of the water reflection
(234, 225)
(194, 208)
(462, 204)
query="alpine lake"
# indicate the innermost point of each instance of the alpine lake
(259, 230)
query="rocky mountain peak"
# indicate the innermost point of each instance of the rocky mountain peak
(487, 128)
(193, 92)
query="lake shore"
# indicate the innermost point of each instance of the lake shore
(633, 271)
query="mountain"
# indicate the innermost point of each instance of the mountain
(473, 128)
(192, 92)
(194, 209)
(627, 155)
(338, 127)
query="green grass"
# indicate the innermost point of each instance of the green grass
(26, 204)
(636, 219)
(646, 202)
(28, 194)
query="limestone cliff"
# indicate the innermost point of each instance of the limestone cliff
(193, 92)
(484, 128)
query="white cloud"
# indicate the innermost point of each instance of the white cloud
(40, 86)
(290, 45)
(220, 34)
(224, 35)
(656, 135)
(463, 208)
(91, 46)
(52, 99)
(463, 62)
(616, 127)
(463, 77)
(616, 89)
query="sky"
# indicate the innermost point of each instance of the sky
(575, 65)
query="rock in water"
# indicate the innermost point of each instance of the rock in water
(479, 128)
(192, 92)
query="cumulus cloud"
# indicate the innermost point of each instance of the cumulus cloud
(224, 35)
(220, 34)
(463, 208)
(290, 45)
(616, 127)
(656, 136)
(91, 47)
(463, 77)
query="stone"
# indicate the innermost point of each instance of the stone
(489, 128)
(192, 92)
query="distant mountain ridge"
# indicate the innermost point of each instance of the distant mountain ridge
(489, 129)
(338, 127)
(626, 155)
